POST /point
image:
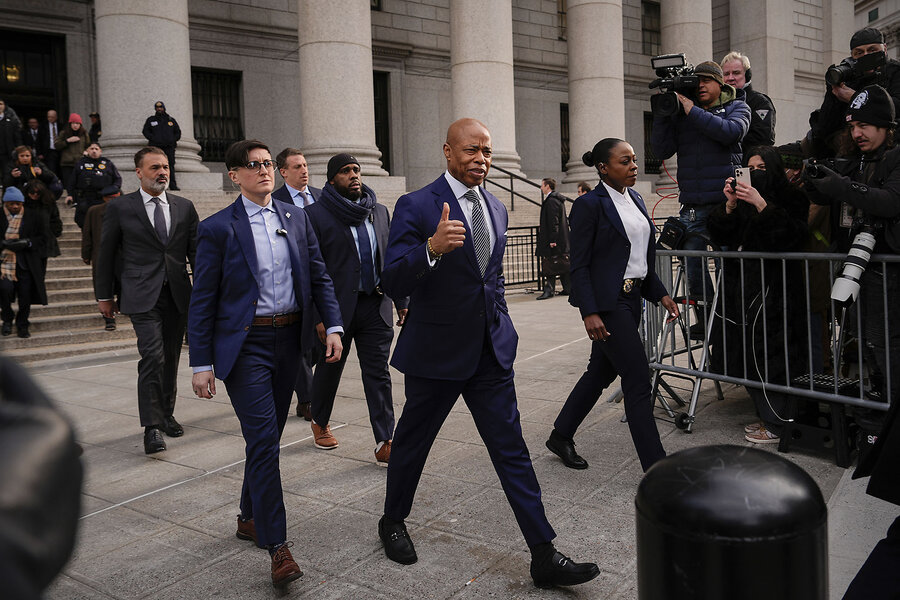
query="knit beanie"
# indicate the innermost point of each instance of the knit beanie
(865, 36)
(13, 194)
(337, 162)
(75, 118)
(872, 105)
(711, 70)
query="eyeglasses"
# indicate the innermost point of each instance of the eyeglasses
(257, 165)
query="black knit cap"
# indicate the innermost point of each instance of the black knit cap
(711, 70)
(866, 35)
(338, 162)
(872, 105)
(110, 190)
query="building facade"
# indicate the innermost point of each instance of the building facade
(384, 78)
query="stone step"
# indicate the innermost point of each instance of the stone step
(85, 305)
(67, 322)
(67, 259)
(69, 283)
(69, 295)
(42, 342)
(73, 354)
(66, 272)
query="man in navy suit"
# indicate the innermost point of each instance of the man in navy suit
(445, 252)
(352, 229)
(249, 335)
(296, 190)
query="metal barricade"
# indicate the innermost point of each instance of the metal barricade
(774, 328)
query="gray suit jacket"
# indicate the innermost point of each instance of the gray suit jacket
(129, 237)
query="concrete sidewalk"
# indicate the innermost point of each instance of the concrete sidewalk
(163, 526)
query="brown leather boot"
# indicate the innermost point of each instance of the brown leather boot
(246, 530)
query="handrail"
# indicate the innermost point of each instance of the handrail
(512, 192)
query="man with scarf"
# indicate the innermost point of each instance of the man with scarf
(162, 131)
(23, 235)
(352, 229)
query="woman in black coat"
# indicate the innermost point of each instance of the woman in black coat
(26, 168)
(37, 195)
(612, 260)
(748, 335)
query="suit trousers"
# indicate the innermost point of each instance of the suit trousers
(490, 395)
(879, 578)
(308, 359)
(20, 289)
(260, 386)
(621, 354)
(170, 154)
(373, 346)
(160, 335)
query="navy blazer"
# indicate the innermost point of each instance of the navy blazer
(451, 306)
(223, 302)
(284, 195)
(342, 258)
(599, 251)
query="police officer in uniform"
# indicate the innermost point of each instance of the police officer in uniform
(92, 174)
(162, 131)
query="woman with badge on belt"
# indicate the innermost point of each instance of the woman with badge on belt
(612, 256)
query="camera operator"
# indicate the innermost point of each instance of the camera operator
(827, 122)
(865, 197)
(736, 71)
(707, 137)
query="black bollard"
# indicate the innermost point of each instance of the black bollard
(733, 523)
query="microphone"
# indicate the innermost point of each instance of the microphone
(281, 231)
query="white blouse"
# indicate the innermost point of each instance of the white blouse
(637, 227)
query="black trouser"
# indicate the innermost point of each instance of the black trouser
(308, 359)
(170, 154)
(373, 346)
(21, 289)
(879, 578)
(621, 354)
(160, 333)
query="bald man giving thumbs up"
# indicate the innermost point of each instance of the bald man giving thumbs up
(445, 252)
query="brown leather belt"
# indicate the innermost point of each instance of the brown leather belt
(282, 320)
(630, 284)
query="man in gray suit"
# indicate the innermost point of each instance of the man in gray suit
(296, 190)
(150, 236)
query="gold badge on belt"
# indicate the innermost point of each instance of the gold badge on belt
(627, 285)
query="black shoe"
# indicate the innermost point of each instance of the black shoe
(22, 332)
(153, 441)
(397, 545)
(303, 411)
(697, 331)
(172, 428)
(548, 293)
(565, 449)
(563, 293)
(560, 570)
(7, 328)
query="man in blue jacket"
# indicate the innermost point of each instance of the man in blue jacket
(707, 137)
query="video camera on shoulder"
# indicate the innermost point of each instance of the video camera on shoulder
(862, 70)
(673, 74)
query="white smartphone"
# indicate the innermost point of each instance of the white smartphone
(742, 175)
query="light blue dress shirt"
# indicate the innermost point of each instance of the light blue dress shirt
(299, 198)
(273, 261)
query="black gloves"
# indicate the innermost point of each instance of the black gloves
(16, 245)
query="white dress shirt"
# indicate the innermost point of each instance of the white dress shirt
(638, 230)
(150, 207)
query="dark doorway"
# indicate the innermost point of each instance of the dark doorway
(382, 118)
(33, 73)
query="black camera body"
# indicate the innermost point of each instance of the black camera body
(673, 74)
(812, 170)
(860, 70)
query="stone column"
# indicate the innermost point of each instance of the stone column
(596, 79)
(131, 81)
(337, 102)
(686, 26)
(481, 72)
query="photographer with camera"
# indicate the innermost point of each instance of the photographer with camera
(864, 192)
(867, 65)
(706, 132)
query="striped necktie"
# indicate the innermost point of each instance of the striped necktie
(480, 235)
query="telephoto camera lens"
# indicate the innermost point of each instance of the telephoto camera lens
(846, 287)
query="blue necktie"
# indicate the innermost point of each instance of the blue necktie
(366, 264)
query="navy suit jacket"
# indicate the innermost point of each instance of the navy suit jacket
(342, 258)
(284, 194)
(223, 302)
(599, 251)
(451, 306)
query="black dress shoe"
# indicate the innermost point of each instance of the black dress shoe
(558, 569)
(7, 328)
(397, 545)
(153, 441)
(22, 332)
(563, 293)
(172, 428)
(565, 449)
(303, 411)
(545, 295)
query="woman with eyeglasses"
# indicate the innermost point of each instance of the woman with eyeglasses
(26, 168)
(258, 275)
(38, 196)
(749, 332)
(613, 258)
